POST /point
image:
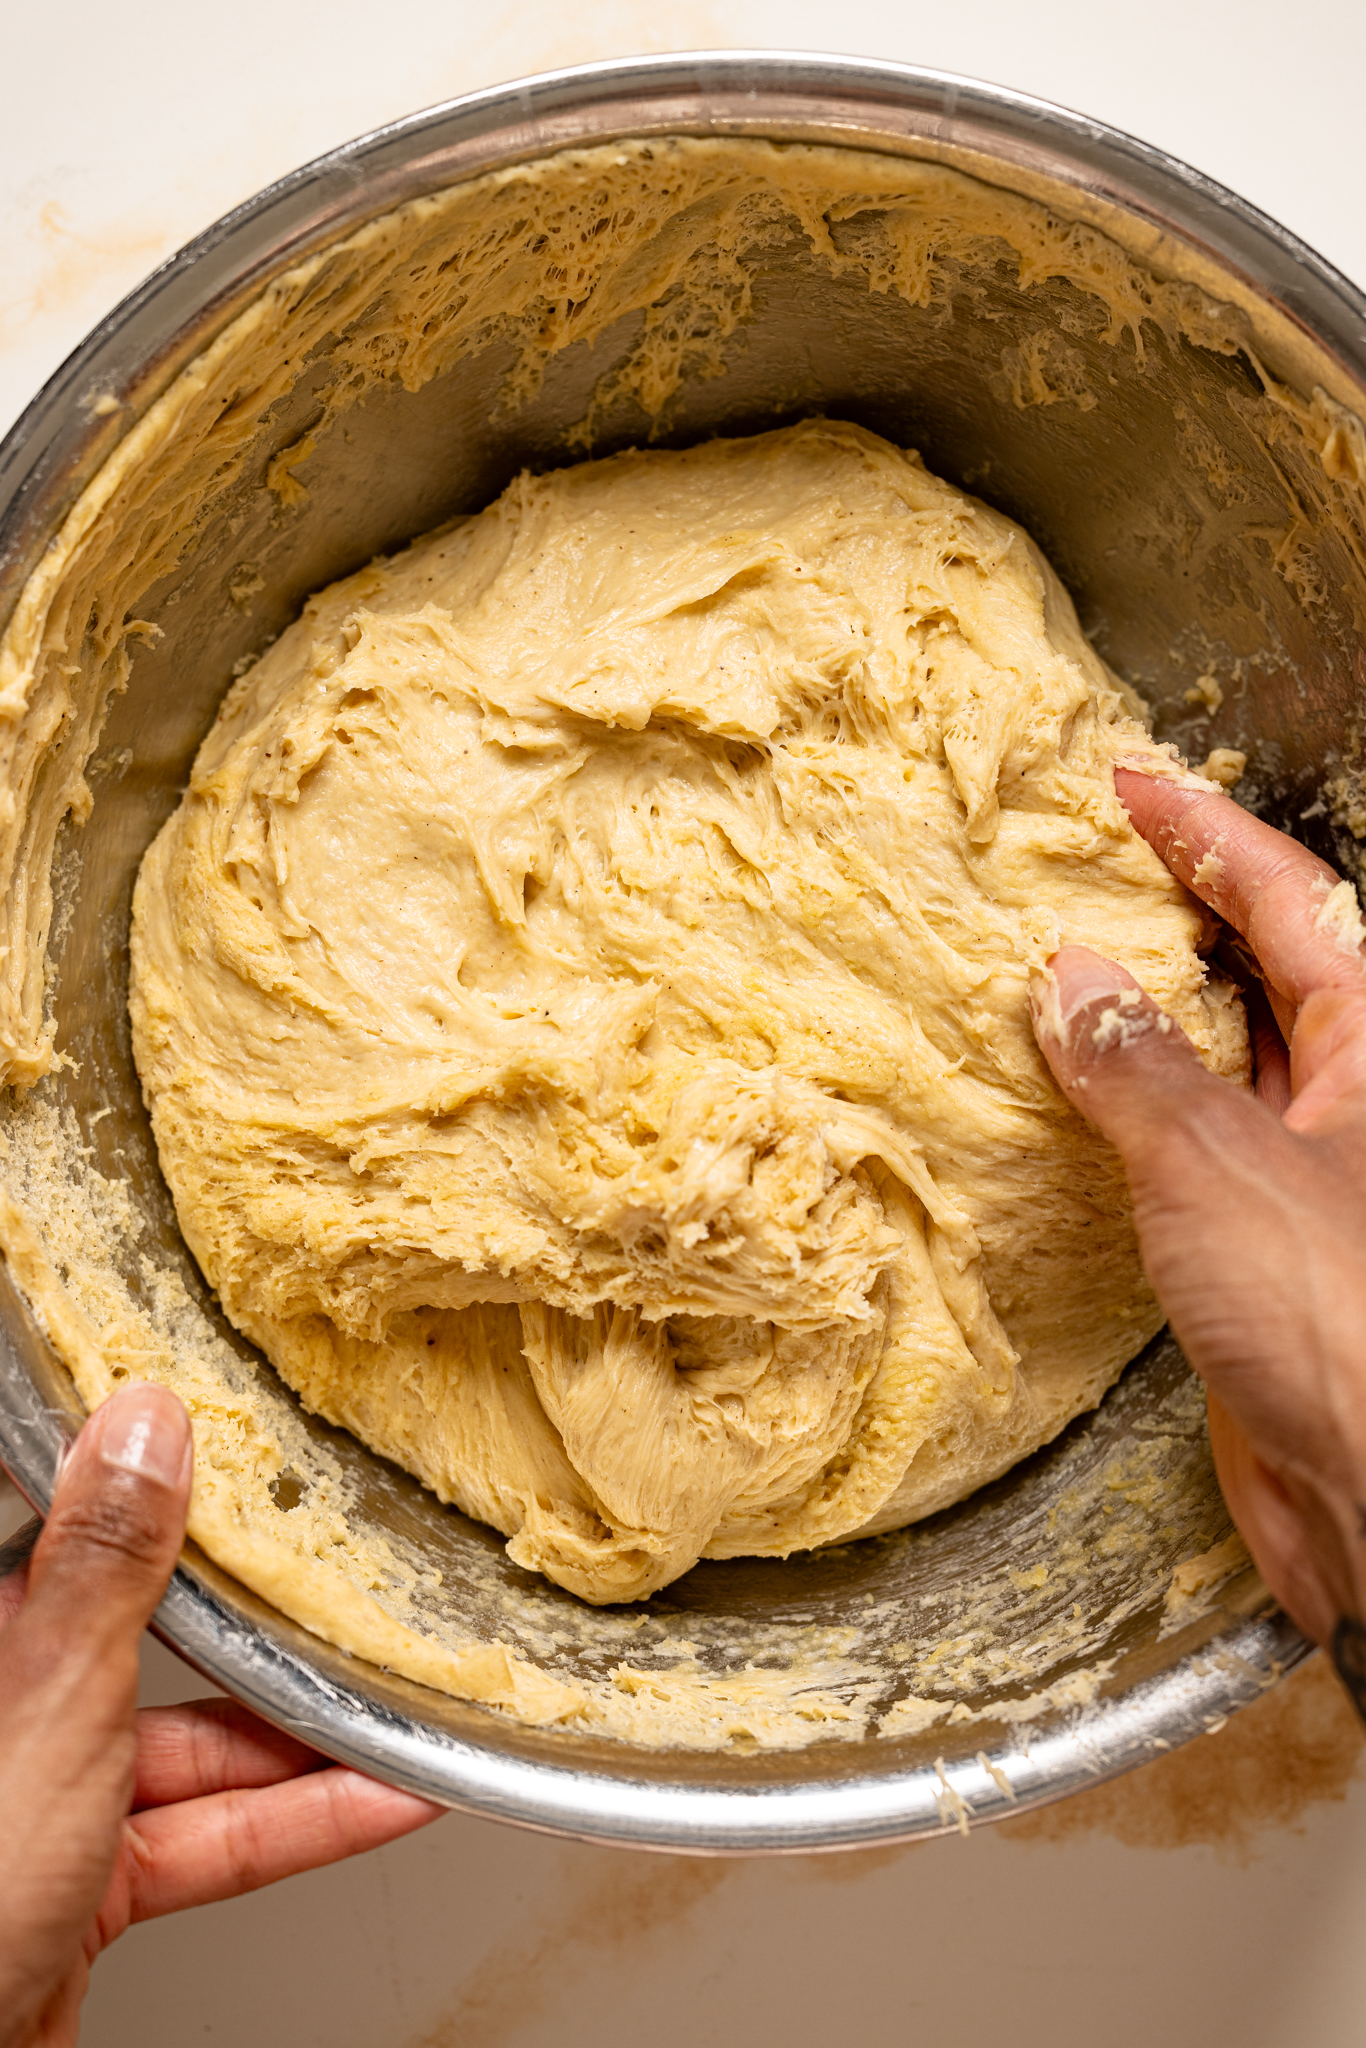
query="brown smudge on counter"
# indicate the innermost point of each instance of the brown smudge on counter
(73, 263)
(1296, 1748)
(620, 1899)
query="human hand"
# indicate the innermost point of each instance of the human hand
(112, 1816)
(1251, 1211)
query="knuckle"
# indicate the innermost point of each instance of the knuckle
(117, 1525)
(1199, 1125)
(1208, 1112)
(247, 1846)
(139, 1872)
(1206, 1127)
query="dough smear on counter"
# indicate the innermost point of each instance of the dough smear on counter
(583, 1004)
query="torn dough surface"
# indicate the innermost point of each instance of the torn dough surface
(583, 1004)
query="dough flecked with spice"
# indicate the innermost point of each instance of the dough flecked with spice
(582, 1000)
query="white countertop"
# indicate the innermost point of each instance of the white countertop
(133, 128)
(1215, 1897)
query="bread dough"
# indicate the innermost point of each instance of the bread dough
(582, 1002)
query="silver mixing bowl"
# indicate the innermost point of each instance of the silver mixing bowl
(1170, 576)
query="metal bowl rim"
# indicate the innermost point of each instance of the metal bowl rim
(57, 442)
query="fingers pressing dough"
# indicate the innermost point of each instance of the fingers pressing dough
(583, 1004)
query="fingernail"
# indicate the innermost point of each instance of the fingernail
(145, 1430)
(1081, 977)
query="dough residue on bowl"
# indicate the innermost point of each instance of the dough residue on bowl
(648, 255)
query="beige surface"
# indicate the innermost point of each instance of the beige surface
(1211, 1899)
(583, 1001)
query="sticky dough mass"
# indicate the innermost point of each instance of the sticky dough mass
(583, 1004)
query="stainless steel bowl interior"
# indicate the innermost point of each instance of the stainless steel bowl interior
(1175, 573)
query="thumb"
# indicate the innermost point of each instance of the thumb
(116, 1523)
(1251, 1248)
(1219, 1186)
(68, 1689)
